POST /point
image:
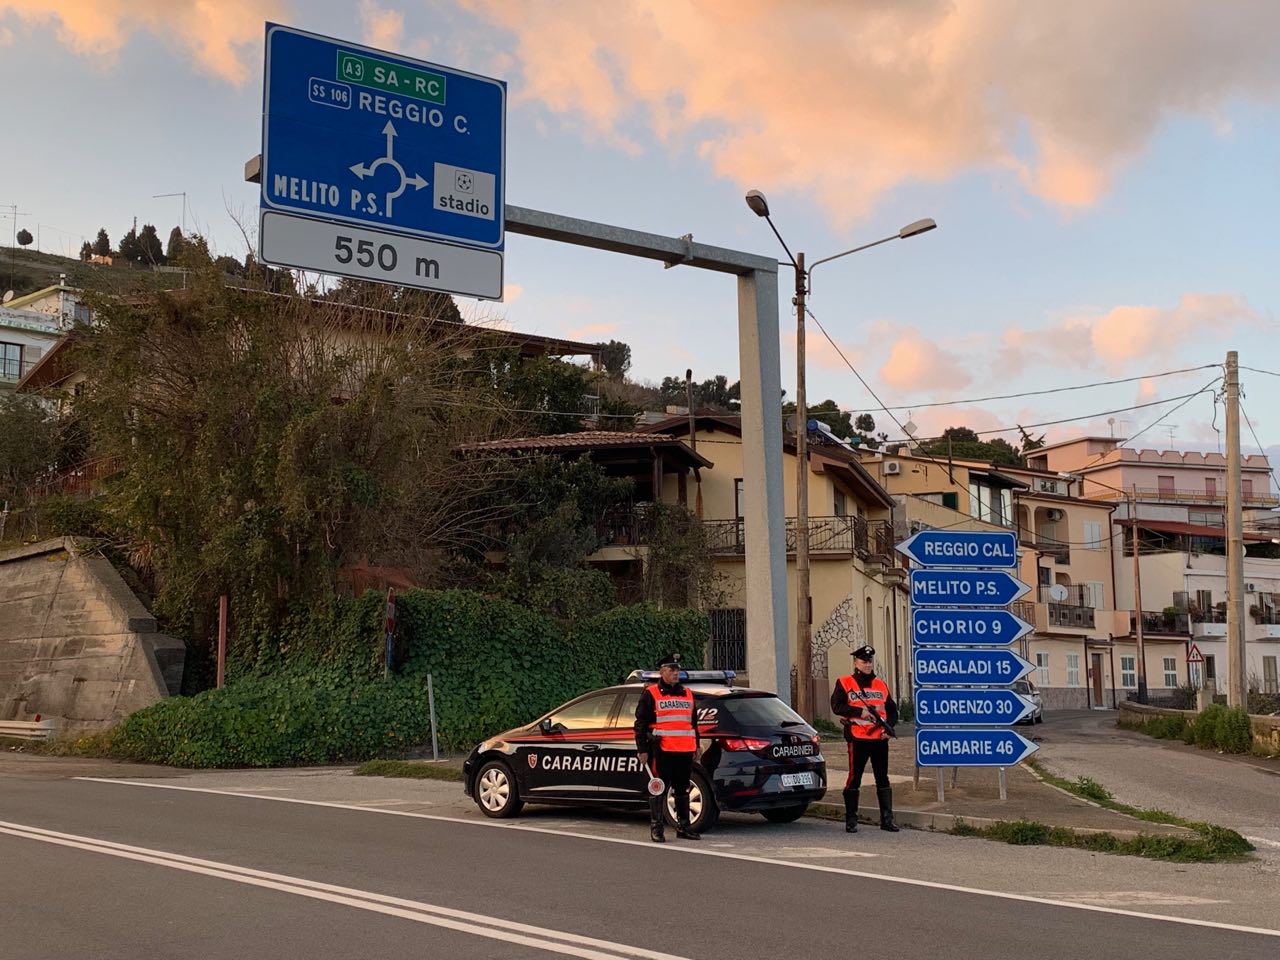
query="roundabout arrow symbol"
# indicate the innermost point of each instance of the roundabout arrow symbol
(362, 171)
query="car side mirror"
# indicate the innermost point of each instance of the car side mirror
(545, 725)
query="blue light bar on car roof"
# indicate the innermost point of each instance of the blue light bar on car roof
(693, 676)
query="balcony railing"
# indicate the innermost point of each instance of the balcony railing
(1186, 496)
(1070, 615)
(1178, 624)
(870, 540)
(1078, 595)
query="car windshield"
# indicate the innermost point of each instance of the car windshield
(761, 712)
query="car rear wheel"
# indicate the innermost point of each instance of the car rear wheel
(785, 814)
(704, 812)
(496, 792)
(1039, 718)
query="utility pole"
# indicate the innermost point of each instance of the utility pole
(1137, 599)
(804, 611)
(1237, 691)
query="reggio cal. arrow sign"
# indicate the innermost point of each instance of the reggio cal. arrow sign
(962, 548)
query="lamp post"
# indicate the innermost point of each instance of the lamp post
(804, 612)
(183, 195)
(1131, 496)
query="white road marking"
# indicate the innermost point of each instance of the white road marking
(696, 851)
(1149, 898)
(1263, 841)
(477, 924)
(819, 853)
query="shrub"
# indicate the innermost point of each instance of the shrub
(1234, 733)
(906, 712)
(314, 693)
(1091, 789)
(1205, 727)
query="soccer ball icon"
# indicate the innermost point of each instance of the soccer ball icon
(463, 182)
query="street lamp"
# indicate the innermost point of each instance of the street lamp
(183, 195)
(1132, 498)
(804, 614)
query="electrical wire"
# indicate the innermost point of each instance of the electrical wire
(1129, 440)
(1040, 393)
(1258, 443)
(1269, 373)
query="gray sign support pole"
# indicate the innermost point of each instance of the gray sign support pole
(768, 639)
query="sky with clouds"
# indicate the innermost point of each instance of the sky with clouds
(1104, 176)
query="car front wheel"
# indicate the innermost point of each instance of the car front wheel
(496, 792)
(704, 812)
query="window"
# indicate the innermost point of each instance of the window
(841, 508)
(1210, 667)
(737, 499)
(627, 712)
(1046, 576)
(1128, 672)
(951, 500)
(1042, 669)
(1093, 535)
(1073, 669)
(1204, 601)
(591, 713)
(1093, 595)
(1270, 684)
(1211, 486)
(1164, 485)
(728, 639)
(10, 361)
(1246, 489)
(1170, 672)
(1205, 518)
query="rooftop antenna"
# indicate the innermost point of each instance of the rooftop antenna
(1111, 422)
(1171, 431)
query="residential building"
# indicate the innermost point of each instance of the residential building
(30, 326)
(1177, 501)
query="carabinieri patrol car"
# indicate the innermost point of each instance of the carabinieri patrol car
(756, 754)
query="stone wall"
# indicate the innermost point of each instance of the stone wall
(1266, 730)
(76, 644)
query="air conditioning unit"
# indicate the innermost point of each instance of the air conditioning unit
(1053, 514)
(892, 468)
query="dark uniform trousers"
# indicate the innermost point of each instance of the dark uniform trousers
(674, 770)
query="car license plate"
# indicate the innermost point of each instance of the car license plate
(799, 780)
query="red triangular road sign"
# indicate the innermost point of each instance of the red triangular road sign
(1194, 655)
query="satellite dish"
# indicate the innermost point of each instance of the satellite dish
(1058, 592)
(8, 295)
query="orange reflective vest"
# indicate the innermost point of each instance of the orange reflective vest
(873, 697)
(673, 729)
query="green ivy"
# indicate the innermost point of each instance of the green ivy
(313, 692)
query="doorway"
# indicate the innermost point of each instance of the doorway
(1095, 672)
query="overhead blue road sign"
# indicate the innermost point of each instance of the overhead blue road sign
(967, 666)
(974, 708)
(381, 141)
(962, 548)
(941, 626)
(965, 588)
(971, 748)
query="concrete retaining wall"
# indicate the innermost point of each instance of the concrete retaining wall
(1266, 730)
(76, 645)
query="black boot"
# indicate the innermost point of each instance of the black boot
(657, 826)
(885, 796)
(684, 830)
(850, 811)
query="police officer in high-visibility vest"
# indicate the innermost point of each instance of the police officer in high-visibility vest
(869, 713)
(667, 741)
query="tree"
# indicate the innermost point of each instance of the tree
(269, 441)
(25, 238)
(547, 395)
(130, 248)
(716, 394)
(177, 243)
(28, 448)
(615, 357)
(829, 412)
(149, 247)
(86, 251)
(424, 304)
(102, 245)
(1029, 442)
(962, 443)
(865, 425)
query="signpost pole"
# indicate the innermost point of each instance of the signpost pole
(1004, 792)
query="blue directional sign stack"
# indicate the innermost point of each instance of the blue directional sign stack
(960, 632)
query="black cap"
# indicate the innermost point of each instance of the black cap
(670, 660)
(865, 653)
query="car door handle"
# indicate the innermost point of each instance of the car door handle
(589, 747)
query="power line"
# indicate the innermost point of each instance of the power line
(1040, 393)
(1269, 373)
(1259, 445)
(1185, 400)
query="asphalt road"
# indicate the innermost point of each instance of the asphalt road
(402, 868)
(1240, 792)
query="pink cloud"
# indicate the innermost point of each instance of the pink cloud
(383, 28)
(916, 361)
(851, 100)
(220, 34)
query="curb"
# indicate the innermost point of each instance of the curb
(946, 822)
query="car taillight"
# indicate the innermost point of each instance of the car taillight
(749, 744)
